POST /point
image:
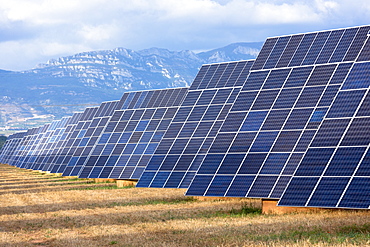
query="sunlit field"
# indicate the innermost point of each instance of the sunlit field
(45, 210)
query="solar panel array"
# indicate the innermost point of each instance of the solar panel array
(291, 125)
(81, 137)
(194, 127)
(269, 126)
(287, 107)
(10, 146)
(69, 146)
(132, 134)
(46, 148)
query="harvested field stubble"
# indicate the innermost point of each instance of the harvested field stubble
(45, 210)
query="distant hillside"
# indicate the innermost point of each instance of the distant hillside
(67, 84)
(2, 141)
(233, 52)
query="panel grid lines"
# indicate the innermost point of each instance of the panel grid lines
(168, 153)
(182, 153)
(336, 46)
(227, 190)
(336, 147)
(268, 56)
(104, 159)
(265, 157)
(351, 178)
(225, 155)
(335, 150)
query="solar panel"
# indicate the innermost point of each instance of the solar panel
(21, 153)
(195, 125)
(132, 135)
(49, 147)
(10, 147)
(78, 136)
(311, 48)
(87, 128)
(334, 171)
(278, 147)
(263, 138)
(46, 144)
(29, 150)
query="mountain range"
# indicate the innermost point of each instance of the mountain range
(61, 86)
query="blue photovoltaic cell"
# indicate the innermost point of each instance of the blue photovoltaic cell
(264, 53)
(253, 121)
(199, 77)
(316, 48)
(299, 192)
(364, 107)
(286, 141)
(287, 98)
(276, 79)
(255, 80)
(344, 161)
(229, 68)
(240, 186)
(365, 53)
(279, 187)
(298, 77)
(264, 141)
(276, 52)
(341, 73)
(357, 194)
(357, 44)
(219, 185)
(302, 49)
(275, 120)
(202, 185)
(357, 133)
(244, 101)
(235, 74)
(330, 45)
(289, 51)
(328, 192)
(230, 164)
(242, 76)
(274, 163)
(359, 77)
(208, 76)
(343, 45)
(346, 104)
(242, 142)
(330, 133)
(262, 187)
(321, 75)
(265, 100)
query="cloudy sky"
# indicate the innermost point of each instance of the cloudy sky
(34, 31)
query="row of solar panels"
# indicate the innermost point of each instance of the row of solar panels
(291, 125)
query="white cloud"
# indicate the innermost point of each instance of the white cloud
(63, 27)
(98, 33)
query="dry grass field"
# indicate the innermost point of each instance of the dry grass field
(45, 210)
